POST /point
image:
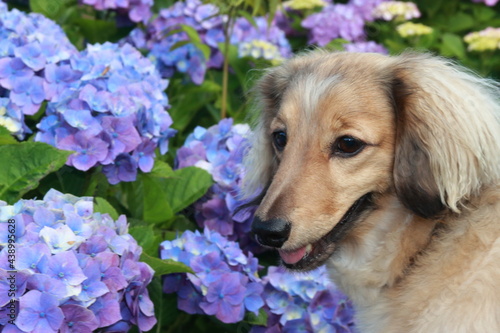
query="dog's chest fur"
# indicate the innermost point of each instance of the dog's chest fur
(402, 278)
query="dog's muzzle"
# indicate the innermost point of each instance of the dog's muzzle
(273, 233)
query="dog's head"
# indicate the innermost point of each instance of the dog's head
(338, 130)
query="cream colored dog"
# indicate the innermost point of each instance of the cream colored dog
(386, 169)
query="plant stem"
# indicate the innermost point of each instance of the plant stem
(225, 69)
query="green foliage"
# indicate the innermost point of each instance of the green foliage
(24, 165)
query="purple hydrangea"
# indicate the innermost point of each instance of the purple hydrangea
(370, 47)
(110, 111)
(344, 21)
(29, 45)
(219, 150)
(489, 3)
(77, 271)
(135, 10)
(304, 302)
(160, 39)
(260, 41)
(225, 282)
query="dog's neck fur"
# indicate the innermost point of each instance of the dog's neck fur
(376, 257)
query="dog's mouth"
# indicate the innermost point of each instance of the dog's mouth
(313, 255)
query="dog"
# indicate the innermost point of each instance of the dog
(386, 169)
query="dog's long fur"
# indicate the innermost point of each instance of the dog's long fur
(426, 256)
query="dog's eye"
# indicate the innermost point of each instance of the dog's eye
(348, 146)
(279, 140)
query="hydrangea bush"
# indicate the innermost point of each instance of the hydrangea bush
(220, 150)
(135, 10)
(226, 284)
(30, 46)
(109, 107)
(175, 51)
(77, 271)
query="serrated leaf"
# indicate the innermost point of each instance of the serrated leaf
(102, 206)
(48, 8)
(147, 238)
(165, 266)
(179, 44)
(161, 169)
(186, 186)
(24, 165)
(452, 46)
(192, 33)
(156, 200)
(6, 137)
(260, 319)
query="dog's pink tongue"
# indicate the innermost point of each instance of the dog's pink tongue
(292, 257)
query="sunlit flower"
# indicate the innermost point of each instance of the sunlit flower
(409, 29)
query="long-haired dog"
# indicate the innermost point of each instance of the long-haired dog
(386, 169)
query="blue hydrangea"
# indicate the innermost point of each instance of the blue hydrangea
(135, 10)
(346, 21)
(77, 271)
(108, 106)
(29, 44)
(159, 39)
(219, 150)
(369, 46)
(225, 282)
(304, 302)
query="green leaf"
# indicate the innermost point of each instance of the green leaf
(452, 46)
(27, 164)
(192, 33)
(156, 200)
(260, 319)
(186, 186)
(205, 49)
(6, 137)
(165, 266)
(460, 22)
(147, 238)
(161, 169)
(102, 206)
(48, 8)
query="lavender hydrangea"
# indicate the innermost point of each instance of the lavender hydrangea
(489, 3)
(369, 47)
(110, 110)
(29, 44)
(136, 10)
(225, 283)
(219, 150)
(77, 271)
(161, 37)
(344, 21)
(304, 302)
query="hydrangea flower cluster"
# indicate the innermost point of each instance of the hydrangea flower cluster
(304, 302)
(108, 106)
(225, 283)
(490, 3)
(396, 10)
(410, 29)
(366, 47)
(261, 40)
(344, 21)
(219, 150)
(484, 40)
(136, 10)
(304, 4)
(161, 38)
(77, 270)
(30, 45)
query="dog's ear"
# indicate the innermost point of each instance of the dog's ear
(448, 133)
(259, 162)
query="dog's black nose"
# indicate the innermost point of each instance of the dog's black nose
(272, 233)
